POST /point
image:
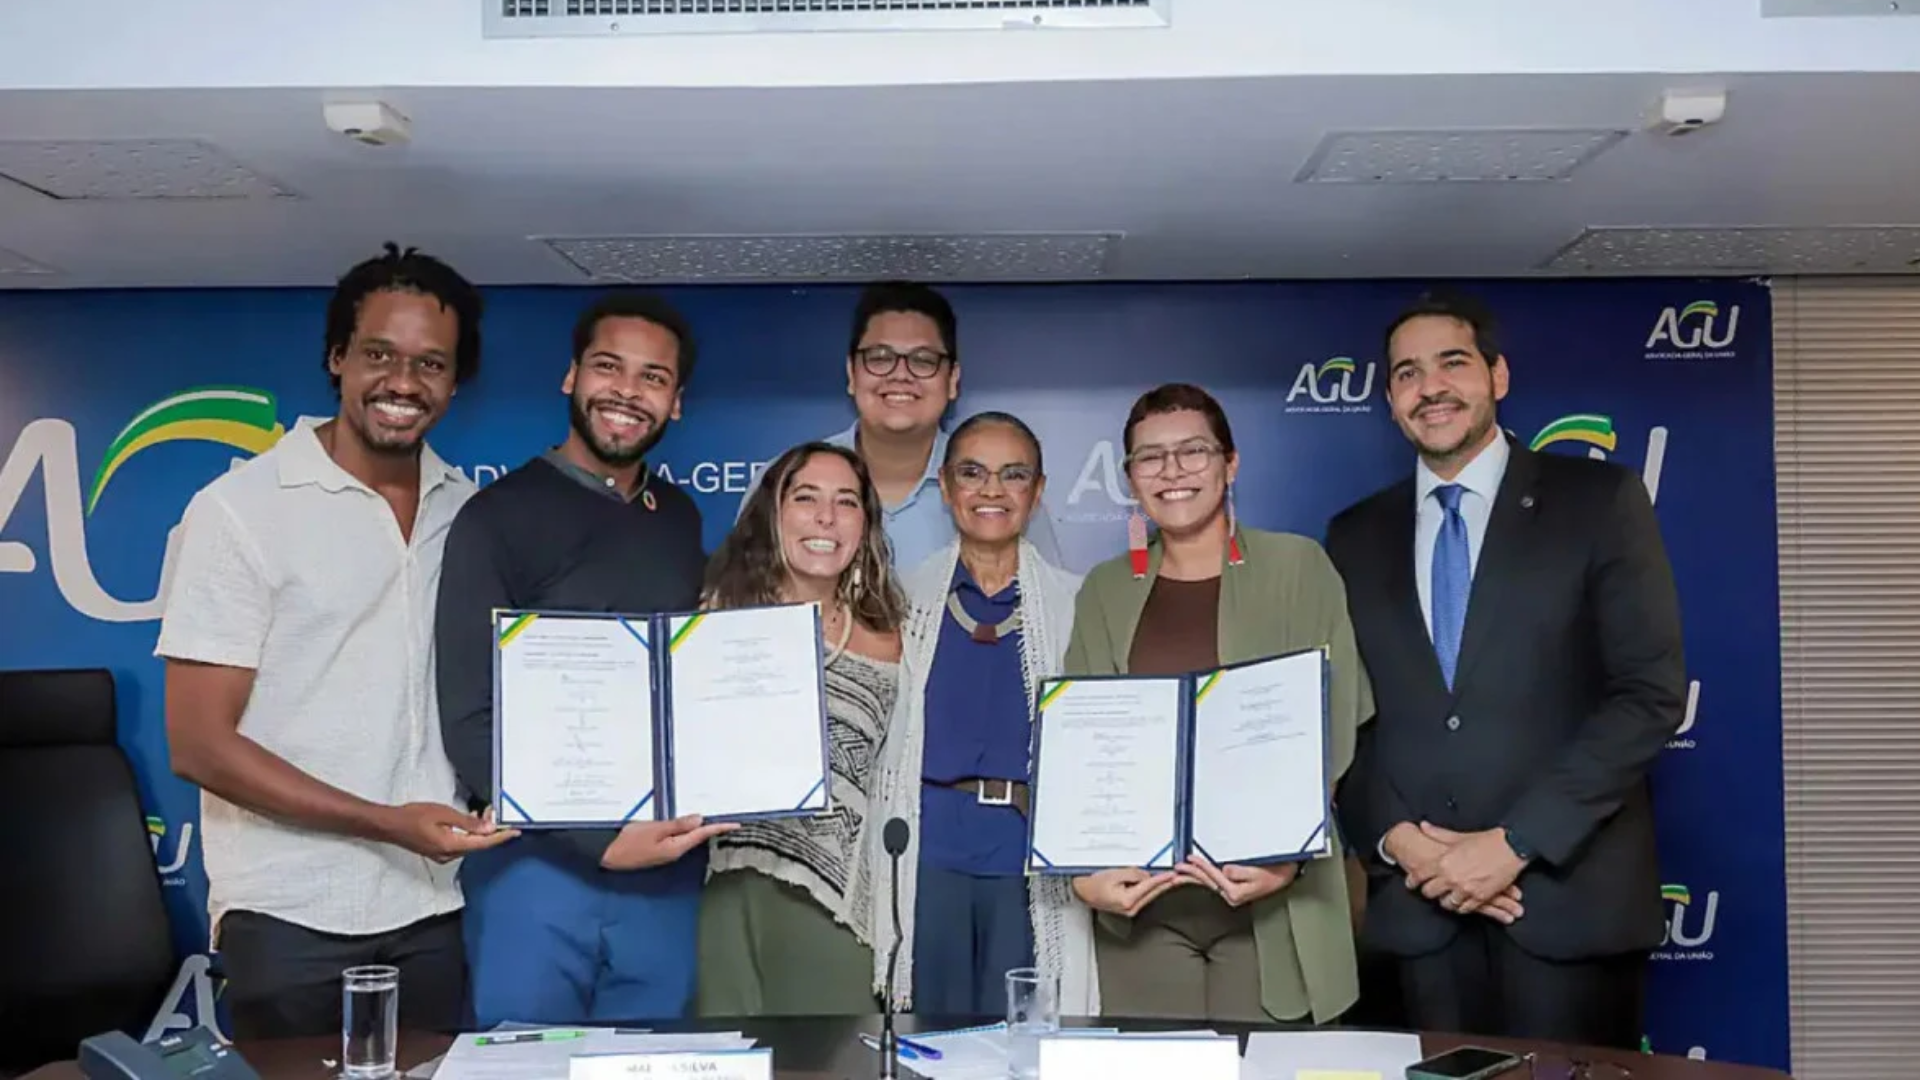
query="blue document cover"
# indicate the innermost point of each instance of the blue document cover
(1144, 771)
(593, 712)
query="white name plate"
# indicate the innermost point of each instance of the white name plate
(1139, 1057)
(755, 1064)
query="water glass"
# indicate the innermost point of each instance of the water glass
(1033, 1012)
(369, 1021)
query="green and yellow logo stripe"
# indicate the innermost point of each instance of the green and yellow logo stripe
(1590, 428)
(156, 825)
(1206, 684)
(236, 416)
(513, 629)
(1701, 307)
(1339, 363)
(1054, 691)
(1679, 894)
(685, 628)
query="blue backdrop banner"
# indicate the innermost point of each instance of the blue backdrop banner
(1670, 378)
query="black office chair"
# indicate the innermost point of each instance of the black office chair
(84, 940)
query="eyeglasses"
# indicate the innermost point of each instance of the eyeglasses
(383, 360)
(972, 476)
(1192, 458)
(881, 360)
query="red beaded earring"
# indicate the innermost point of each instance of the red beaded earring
(1137, 542)
(1234, 558)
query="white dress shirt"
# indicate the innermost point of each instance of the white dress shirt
(1481, 479)
(291, 567)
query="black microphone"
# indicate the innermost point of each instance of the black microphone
(894, 839)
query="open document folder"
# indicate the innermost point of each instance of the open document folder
(1145, 771)
(603, 719)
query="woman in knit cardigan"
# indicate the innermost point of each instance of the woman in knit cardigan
(989, 619)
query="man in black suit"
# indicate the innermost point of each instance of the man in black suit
(1517, 614)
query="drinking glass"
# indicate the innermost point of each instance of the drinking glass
(369, 1021)
(1033, 1012)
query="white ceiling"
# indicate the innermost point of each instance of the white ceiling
(1173, 179)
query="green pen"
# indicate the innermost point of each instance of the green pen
(526, 1037)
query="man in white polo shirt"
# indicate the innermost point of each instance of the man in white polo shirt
(298, 634)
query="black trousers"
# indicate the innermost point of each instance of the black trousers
(283, 980)
(1484, 984)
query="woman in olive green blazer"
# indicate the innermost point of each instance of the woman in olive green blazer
(1235, 943)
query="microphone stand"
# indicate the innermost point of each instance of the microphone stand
(889, 1042)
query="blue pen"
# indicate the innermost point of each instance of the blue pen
(909, 1051)
(921, 1049)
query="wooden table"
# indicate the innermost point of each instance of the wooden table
(827, 1047)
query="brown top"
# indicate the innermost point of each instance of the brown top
(1179, 629)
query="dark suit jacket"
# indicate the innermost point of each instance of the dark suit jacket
(1570, 681)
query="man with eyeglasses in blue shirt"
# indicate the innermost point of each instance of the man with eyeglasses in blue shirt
(903, 370)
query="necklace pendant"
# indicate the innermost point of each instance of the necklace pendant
(986, 635)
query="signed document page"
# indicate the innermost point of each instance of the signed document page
(1107, 777)
(1260, 788)
(574, 721)
(748, 713)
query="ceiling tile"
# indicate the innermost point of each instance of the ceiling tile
(119, 169)
(12, 262)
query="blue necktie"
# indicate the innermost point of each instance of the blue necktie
(1452, 579)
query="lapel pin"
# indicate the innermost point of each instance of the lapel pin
(1526, 502)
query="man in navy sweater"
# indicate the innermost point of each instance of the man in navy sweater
(589, 924)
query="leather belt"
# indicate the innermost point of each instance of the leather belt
(992, 792)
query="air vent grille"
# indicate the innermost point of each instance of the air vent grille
(1742, 249)
(602, 18)
(796, 258)
(1434, 157)
(1784, 9)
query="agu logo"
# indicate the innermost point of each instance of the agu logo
(1689, 928)
(230, 415)
(1590, 428)
(1683, 738)
(1330, 388)
(1595, 431)
(236, 416)
(192, 1001)
(173, 861)
(1694, 332)
(1100, 474)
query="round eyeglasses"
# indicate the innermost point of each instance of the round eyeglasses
(1191, 457)
(972, 476)
(881, 361)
